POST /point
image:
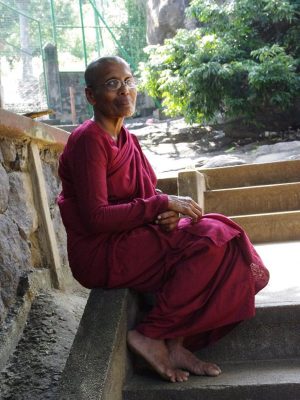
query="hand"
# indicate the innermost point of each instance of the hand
(185, 206)
(167, 220)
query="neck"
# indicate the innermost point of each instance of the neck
(111, 125)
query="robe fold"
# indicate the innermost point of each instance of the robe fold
(204, 275)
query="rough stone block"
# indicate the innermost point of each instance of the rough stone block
(21, 207)
(15, 260)
(8, 149)
(4, 189)
(14, 155)
(22, 157)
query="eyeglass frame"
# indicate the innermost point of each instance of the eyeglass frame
(120, 84)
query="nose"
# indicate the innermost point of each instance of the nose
(124, 87)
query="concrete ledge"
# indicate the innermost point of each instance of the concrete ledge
(96, 367)
(19, 127)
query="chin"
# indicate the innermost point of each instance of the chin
(128, 113)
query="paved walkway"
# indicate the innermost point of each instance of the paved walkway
(283, 262)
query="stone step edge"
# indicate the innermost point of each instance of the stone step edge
(265, 215)
(237, 175)
(263, 337)
(173, 180)
(98, 360)
(255, 187)
(273, 306)
(263, 380)
(272, 165)
(279, 226)
(252, 339)
(236, 375)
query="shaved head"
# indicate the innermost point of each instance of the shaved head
(93, 70)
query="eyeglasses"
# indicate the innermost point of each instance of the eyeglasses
(116, 84)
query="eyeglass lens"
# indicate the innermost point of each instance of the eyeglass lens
(115, 84)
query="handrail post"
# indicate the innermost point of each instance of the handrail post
(192, 183)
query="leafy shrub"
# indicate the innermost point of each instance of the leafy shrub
(242, 59)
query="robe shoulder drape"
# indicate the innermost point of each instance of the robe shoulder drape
(107, 188)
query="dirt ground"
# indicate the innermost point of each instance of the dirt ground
(35, 368)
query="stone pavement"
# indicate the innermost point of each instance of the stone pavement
(283, 262)
(172, 145)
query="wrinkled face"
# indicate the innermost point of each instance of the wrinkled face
(113, 104)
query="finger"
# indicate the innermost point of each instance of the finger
(184, 204)
(198, 211)
(192, 203)
(191, 212)
(197, 206)
(167, 221)
(167, 214)
(174, 217)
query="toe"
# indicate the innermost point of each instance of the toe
(212, 370)
(181, 376)
(170, 375)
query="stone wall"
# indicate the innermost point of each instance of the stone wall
(18, 222)
(32, 237)
(75, 81)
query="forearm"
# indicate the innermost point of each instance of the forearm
(122, 217)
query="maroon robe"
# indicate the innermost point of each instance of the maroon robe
(204, 275)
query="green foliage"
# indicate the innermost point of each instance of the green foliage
(132, 34)
(20, 28)
(243, 58)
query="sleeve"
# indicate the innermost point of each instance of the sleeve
(89, 168)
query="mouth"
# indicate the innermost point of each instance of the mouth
(124, 102)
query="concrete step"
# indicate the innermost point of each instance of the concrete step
(274, 333)
(254, 199)
(241, 176)
(271, 227)
(260, 358)
(252, 174)
(254, 380)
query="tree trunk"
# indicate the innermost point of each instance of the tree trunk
(25, 40)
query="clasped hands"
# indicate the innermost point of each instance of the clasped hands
(178, 205)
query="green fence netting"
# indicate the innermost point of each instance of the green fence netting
(81, 31)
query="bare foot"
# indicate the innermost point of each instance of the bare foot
(180, 357)
(155, 352)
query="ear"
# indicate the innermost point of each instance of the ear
(90, 96)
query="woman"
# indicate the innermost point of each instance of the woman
(202, 269)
